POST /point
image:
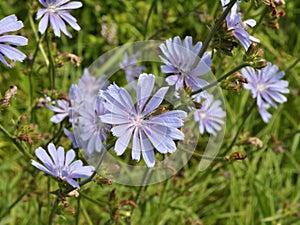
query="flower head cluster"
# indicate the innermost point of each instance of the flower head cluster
(11, 24)
(58, 12)
(210, 115)
(183, 64)
(84, 110)
(239, 27)
(147, 131)
(267, 87)
(60, 165)
(129, 65)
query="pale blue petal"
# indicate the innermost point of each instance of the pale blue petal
(144, 88)
(43, 24)
(70, 157)
(155, 101)
(136, 147)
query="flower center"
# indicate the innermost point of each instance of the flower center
(51, 8)
(138, 120)
(202, 115)
(260, 87)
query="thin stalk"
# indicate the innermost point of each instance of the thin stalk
(262, 16)
(148, 18)
(38, 40)
(53, 210)
(222, 78)
(141, 189)
(51, 68)
(13, 204)
(215, 28)
(77, 211)
(17, 144)
(244, 118)
(293, 65)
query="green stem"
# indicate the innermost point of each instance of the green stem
(244, 118)
(53, 210)
(148, 18)
(216, 27)
(77, 211)
(293, 65)
(221, 78)
(16, 143)
(38, 40)
(262, 16)
(13, 204)
(51, 68)
(141, 189)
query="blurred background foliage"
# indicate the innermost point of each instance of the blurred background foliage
(264, 188)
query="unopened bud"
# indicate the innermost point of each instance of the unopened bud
(260, 64)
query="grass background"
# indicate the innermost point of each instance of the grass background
(262, 189)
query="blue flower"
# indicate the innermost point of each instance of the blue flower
(147, 131)
(129, 65)
(183, 63)
(211, 115)
(267, 87)
(11, 24)
(58, 12)
(87, 106)
(91, 129)
(61, 166)
(62, 109)
(239, 27)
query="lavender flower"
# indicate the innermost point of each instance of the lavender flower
(11, 24)
(146, 131)
(62, 109)
(58, 12)
(92, 130)
(183, 63)
(129, 65)
(60, 166)
(239, 27)
(267, 87)
(210, 116)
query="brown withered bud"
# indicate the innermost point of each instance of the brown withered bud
(235, 156)
(10, 93)
(198, 105)
(64, 96)
(279, 2)
(234, 82)
(254, 54)
(103, 180)
(22, 120)
(259, 65)
(41, 102)
(25, 138)
(73, 193)
(129, 202)
(112, 195)
(72, 58)
(254, 141)
(279, 149)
